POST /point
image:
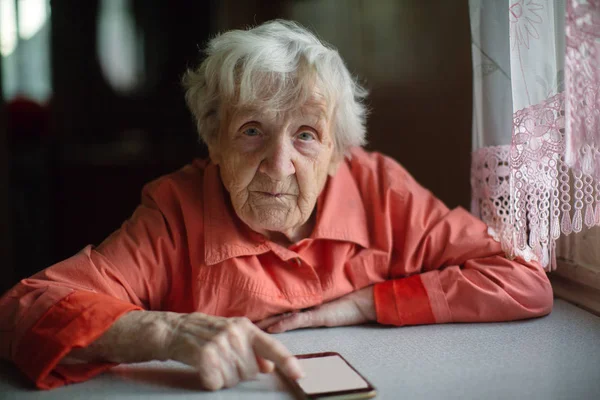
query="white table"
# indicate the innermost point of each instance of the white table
(555, 357)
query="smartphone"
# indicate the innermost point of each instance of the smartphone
(330, 376)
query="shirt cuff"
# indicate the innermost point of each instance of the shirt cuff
(403, 302)
(75, 321)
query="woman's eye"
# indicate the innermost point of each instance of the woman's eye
(306, 136)
(251, 132)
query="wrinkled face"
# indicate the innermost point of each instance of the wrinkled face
(274, 165)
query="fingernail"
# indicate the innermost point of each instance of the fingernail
(294, 369)
(274, 329)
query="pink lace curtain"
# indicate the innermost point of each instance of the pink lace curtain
(536, 121)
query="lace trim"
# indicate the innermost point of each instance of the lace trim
(525, 191)
(582, 70)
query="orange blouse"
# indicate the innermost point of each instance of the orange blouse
(184, 250)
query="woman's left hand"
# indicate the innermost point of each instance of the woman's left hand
(352, 309)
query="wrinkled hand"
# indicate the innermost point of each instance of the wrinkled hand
(352, 309)
(226, 351)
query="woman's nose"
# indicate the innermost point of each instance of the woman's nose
(278, 163)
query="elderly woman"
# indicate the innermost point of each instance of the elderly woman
(289, 224)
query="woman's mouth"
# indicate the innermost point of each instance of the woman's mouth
(274, 195)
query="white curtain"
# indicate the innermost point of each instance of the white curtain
(522, 186)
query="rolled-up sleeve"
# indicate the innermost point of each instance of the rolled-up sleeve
(72, 303)
(446, 267)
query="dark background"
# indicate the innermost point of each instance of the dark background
(72, 165)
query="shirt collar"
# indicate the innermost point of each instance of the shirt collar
(340, 216)
(341, 213)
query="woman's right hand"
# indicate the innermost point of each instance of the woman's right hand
(226, 351)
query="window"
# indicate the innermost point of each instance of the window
(25, 49)
(120, 46)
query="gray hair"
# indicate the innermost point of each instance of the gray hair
(276, 65)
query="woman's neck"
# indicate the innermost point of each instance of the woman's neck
(295, 235)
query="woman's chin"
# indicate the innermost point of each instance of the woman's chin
(269, 226)
(270, 222)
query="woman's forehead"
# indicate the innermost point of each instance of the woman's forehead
(315, 108)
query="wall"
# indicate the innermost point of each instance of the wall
(6, 265)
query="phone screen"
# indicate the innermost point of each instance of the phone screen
(329, 373)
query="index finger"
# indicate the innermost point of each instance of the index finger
(270, 348)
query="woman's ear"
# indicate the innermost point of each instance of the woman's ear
(214, 151)
(214, 141)
(336, 159)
